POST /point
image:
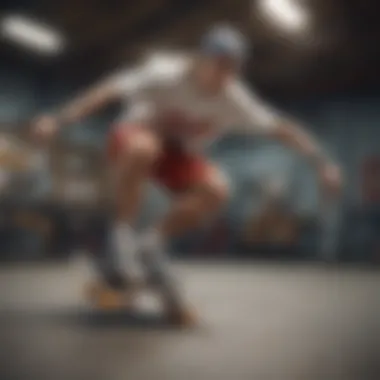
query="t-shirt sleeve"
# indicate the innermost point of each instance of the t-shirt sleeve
(133, 81)
(249, 114)
(148, 78)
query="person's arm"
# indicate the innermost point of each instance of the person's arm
(99, 96)
(121, 85)
(255, 117)
(148, 77)
(296, 137)
(87, 103)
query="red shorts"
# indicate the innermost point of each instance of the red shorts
(175, 169)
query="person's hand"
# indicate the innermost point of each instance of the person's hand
(44, 128)
(330, 179)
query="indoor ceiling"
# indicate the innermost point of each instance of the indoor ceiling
(340, 51)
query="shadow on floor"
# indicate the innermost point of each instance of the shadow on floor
(88, 318)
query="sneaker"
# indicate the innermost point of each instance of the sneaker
(182, 316)
(107, 298)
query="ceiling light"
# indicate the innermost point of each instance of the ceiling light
(31, 34)
(289, 15)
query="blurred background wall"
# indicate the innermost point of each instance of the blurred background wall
(328, 80)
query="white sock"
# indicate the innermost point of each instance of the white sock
(157, 265)
(124, 246)
(152, 240)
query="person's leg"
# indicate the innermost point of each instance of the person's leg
(133, 155)
(203, 199)
(207, 193)
(132, 167)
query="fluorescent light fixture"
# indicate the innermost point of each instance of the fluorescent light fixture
(31, 34)
(289, 15)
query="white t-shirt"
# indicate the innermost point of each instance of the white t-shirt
(163, 87)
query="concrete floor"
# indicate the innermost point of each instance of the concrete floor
(263, 322)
